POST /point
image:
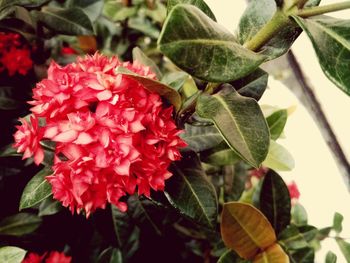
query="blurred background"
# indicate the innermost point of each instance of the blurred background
(321, 185)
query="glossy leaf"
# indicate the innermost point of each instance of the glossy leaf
(240, 121)
(203, 48)
(138, 55)
(276, 122)
(292, 239)
(253, 85)
(278, 158)
(189, 191)
(275, 201)
(299, 215)
(273, 254)
(331, 40)
(36, 190)
(175, 79)
(200, 138)
(19, 224)
(72, 21)
(92, 8)
(198, 3)
(11, 254)
(256, 15)
(235, 177)
(221, 155)
(49, 207)
(154, 86)
(337, 222)
(304, 255)
(245, 229)
(344, 248)
(331, 257)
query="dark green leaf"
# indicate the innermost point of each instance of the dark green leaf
(144, 26)
(200, 138)
(122, 226)
(36, 190)
(304, 255)
(49, 207)
(308, 232)
(253, 85)
(154, 86)
(240, 121)
(198, 3)
(12, 254)
(331, 257)
(138, 55)
(8, 151)
(110, 255)
(235, 177)
(276, 122)
(24, 3)
(292, 239)
(203, 48)
(275, 201)
(331, 40)
(220, 155)
(175, 79)
(337, 222)
(278, 158)
(299, 215)
(19, 224)
(6, 12)
(323, 233)
(189, 191)
(92, 8)
(344, 247)
(231, 257)
(72, 21)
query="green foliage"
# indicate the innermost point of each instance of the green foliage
(198, 3)
(49, 207)
(36, 190)
(239, 119)
(337, 223)
(278, 158)
(11, 254)
(331, 41)
(331, 257)
(19, 224)
(205, 49)
(299, 215)
(344, 247)
(276, 122)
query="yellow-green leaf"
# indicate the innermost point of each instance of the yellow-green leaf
(273, 254)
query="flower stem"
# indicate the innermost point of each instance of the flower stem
(319, 10)
(277, 22)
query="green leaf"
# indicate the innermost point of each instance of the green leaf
(121, 225)
(235, 177)
(198, 3)
(92, 8)
(110, 255)
(253, 85)
(36, 190)
(299, 215)
(331, 257)
(138, 55)
(272, 254)
(203, 48)
(308, 232)
(331, 40)
(8, 151)
(344, 248)
(240, 121)
(144, 25)
(200, 138)
(49, 207)
(72, 21)
(275, 201)
(11, 254)
(175, 79)
(276, 122)
(154, 86)
(19, 224)
(190, 192)
(304, 255)
(337, 223)
(231, 257)
(278, 158)
(292, 239)
(220, 155)
(24, 3)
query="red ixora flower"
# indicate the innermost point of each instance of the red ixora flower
(52, 257)
(14, 56)
(293, 190)
(115, 135)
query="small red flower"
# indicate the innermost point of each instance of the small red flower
(52, 257)
(116, 136)
(68, 51)
(293, 190)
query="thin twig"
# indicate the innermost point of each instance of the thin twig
(299, 85)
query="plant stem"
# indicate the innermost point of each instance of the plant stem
(299, 85)
(277, 22)
(319, 10)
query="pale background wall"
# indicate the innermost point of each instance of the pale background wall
(320, 183)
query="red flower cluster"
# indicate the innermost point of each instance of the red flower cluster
(14, 56)
(293, 190)
(52, 257)
(114, 134)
